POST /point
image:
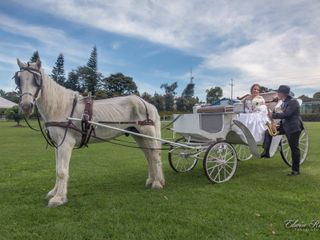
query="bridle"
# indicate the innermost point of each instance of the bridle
(37, 77)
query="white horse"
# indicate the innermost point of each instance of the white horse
(55, 104)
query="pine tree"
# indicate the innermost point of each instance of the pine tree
(58, 71)
(35, 56)
(93, 60)
(188, 92)
(73, 82)
(90, 71)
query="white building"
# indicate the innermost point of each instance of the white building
(4, 103)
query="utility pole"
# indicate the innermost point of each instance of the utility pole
(231, 84)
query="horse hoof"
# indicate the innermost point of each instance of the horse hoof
(54, 202)
(50, 194)
(156, 185)
(149, 182)
(163, 182)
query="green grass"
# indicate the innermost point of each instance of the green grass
(108, 200)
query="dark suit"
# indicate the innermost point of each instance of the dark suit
(290, 125)
(290, 116)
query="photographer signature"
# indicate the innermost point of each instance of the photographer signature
(296, 224)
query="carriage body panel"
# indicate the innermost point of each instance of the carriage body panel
(204, 127)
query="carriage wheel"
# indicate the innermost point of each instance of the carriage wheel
(183, 159)
(285, 150)
(243, 152)
(220, 162)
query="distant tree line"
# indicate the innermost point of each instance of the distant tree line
(87, 78)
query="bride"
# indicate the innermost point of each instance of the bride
(254, 102)
(256, 115)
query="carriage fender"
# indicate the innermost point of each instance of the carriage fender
(252, 144)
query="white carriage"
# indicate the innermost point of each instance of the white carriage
(217, 135)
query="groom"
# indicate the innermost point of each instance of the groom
(291, 125)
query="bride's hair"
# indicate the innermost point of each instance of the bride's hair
(255, 85)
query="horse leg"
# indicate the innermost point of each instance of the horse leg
(53, 191)
(62, 175)
(155, 175)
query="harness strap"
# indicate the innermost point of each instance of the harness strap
(87, 130)
(148, 121)
(86, 127)
(66, 125)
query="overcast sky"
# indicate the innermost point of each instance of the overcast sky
(155, 42)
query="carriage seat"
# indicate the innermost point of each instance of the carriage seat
(216, 109)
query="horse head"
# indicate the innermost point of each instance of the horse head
(29, 82)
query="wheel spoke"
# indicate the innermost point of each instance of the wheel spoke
(220, 162)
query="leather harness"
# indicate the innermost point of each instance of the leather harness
(87, 129)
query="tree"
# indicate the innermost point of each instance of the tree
(2, 93)
(188, 91)
(169, 95)
(213, 94)
(13, 114)
(181, 104)
(316, 95)
(101, 94)
(58, 71)
(146, 96)
(90, 73)
(35, 56)
(185, 104)
(168, 102)
(93, 60)
(73, 82)
(12, 96)
(169, 89)
(187, 101)
(118, 85)
(158, 102)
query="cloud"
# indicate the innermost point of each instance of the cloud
(290, 57)
(51, 41)
(268, 42)
(178, 24)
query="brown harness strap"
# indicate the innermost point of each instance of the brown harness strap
(86, 127)
(66, 125)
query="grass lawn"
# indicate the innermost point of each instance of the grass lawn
(108, 200)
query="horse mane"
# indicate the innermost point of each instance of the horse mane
(55, 100)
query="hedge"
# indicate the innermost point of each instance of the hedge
(310, 117)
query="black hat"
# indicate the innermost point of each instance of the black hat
(285, 89)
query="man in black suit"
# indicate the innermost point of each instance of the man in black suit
(291, 125)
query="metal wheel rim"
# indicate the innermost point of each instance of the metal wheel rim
(303, 145)
(243, 152)
(220, 162)
(183, 159)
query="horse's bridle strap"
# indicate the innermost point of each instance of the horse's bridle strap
(32, 71)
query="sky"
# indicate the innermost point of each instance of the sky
(159, 41)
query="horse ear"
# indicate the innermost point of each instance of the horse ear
(38, 63)
(20, 64)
